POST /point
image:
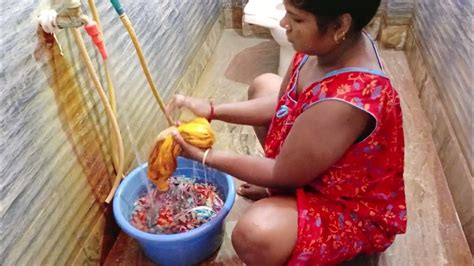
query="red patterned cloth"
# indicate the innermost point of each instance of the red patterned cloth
(358, 204)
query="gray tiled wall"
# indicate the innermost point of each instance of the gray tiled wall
(54, 144)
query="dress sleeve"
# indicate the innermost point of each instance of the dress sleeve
(296, 61)
(364, 91)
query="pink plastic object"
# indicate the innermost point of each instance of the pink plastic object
(93, 31)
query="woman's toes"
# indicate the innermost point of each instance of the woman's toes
(252, 192)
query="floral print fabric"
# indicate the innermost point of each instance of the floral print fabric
(358, 204)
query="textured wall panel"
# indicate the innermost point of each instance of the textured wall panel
(439, 53)
(54, 139)
(399, 10)
(235, 3)
(444, 32)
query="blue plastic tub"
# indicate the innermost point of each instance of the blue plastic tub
(187, 248)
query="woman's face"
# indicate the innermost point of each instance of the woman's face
(303, 33)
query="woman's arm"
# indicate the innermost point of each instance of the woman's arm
(320, 136)
(252, 169)
(254, 112)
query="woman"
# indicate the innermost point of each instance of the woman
(333, 142)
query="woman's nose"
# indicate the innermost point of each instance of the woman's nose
(284, 22)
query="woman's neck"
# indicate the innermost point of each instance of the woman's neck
(339, 57)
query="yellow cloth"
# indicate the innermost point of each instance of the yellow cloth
(162, 160)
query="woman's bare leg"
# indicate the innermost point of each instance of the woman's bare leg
(262, 86)
(266, 234)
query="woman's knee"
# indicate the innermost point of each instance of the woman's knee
(246, 239)
(249, 238)
(264, 85)
(270, 225)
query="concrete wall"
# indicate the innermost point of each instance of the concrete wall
(233, 11)
(55, 162)
(398, 11)
(393, 20)
(390, 25)
(234, 3)
(439, 51)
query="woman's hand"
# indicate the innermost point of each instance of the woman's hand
(198, 107)
(189, 151)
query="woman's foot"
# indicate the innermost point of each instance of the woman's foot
(252, 192)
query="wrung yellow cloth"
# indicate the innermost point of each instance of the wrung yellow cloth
(162, 160)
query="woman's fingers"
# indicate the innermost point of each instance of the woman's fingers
(199, 107)
(189, 150)
(178, 138)
(176, 102)
(163, 134)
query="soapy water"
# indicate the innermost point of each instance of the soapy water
(186, 205)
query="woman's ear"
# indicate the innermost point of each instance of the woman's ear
(344, 23)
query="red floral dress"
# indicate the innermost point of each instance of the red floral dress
(358, 204)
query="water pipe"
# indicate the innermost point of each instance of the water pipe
(71, 3)
(97, 31)
(95, 15)
(128, 25)
(71, 17)
(108, 109)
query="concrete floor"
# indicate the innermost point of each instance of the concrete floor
(434, 235)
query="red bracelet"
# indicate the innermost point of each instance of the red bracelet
(211, 113)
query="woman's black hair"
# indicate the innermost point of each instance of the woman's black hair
(327, 11)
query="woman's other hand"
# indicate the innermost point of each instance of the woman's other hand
(200, 108)
(189, 151)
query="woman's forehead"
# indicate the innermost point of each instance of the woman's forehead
(292, 9)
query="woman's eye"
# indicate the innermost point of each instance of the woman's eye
(298, 20)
